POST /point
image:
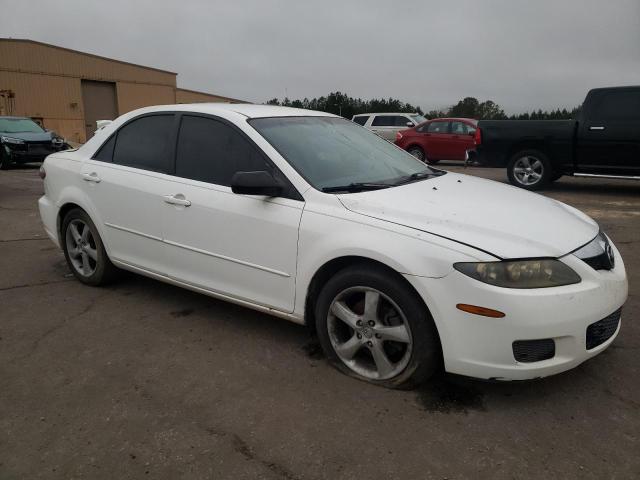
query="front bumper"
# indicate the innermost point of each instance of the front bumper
(482, 347)
(29, 154)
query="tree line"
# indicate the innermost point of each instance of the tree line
(342, 104)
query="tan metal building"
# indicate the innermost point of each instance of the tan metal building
(67, 90)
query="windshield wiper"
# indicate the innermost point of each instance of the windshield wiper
(357, 187)
(419, 176)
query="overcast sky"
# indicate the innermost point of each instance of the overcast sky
(521, 54)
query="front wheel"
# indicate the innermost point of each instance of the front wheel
(529, 169)
(5, 161)
(417, 152)
(374, 327)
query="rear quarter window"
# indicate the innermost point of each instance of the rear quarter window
(361, 120)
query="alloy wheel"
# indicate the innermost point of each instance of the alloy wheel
(418, 153)
(81, 248)
(369, 333)
(528, 170)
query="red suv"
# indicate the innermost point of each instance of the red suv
(440, 139)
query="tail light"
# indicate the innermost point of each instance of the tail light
(42, 172)
(477, 137)
(398, 136)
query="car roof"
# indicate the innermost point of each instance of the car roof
(385, 114)
(455, 119)
(248, 110)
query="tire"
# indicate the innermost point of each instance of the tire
(432, 162)
(412, 349)
(79, 238)
(529, 169)
(5, 163)
(417, 152)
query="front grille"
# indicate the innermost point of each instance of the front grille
(528, 351)
(600, 262)
(601, 331)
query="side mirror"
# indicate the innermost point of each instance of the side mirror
(256, 183)
(410, 124)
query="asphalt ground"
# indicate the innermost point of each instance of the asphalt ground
(146, 380)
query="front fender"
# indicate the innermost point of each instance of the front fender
(324, 238)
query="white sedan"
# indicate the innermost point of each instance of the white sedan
(399, 267)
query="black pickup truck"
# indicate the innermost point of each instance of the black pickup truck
(603, 141)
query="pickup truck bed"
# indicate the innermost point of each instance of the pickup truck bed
(603, 141)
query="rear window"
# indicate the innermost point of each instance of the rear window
(361, 120)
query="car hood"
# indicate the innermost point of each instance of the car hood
(29, 136)
(499, 219)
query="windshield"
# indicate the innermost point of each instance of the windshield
(19, 125)
(331, 152)
(418, 119)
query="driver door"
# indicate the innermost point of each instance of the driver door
(243, 246)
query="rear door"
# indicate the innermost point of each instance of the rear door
(436, 138)
(383, 125)
(461, 140)
(238, 245)
(608, 139)
(125, 181)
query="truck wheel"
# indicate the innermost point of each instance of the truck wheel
(529, 169)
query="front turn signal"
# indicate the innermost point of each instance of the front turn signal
(476, 310)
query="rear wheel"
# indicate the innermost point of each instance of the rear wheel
(84, 250)
(529, 169)
(372, 326)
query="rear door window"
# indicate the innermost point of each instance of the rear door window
(383, 121)
(461, 128)
(145, 143)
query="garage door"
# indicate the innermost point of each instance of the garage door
(99, 100)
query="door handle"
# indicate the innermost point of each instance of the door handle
(91, 177)
(596, 128)
(177, 200)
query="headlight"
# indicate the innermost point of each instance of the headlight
(539, 273)
(57, 140)
(14, 141)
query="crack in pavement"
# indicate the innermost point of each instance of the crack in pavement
(54, 328)
(27, 285)
(23, 239)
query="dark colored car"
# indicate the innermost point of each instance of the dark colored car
(23, 141)
(603, 141)
(439, 139)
